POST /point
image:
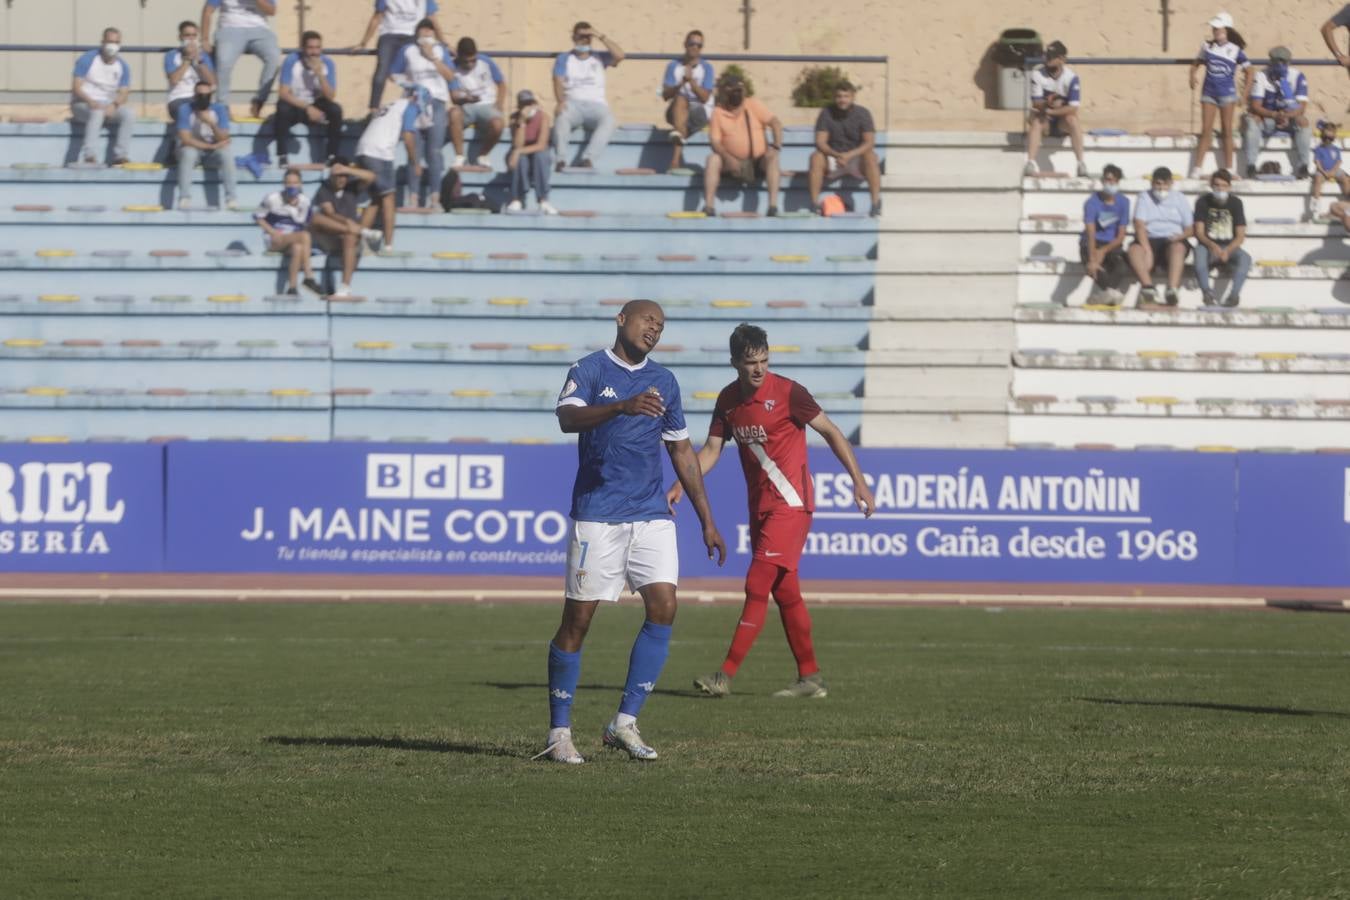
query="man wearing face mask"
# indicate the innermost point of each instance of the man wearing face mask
(1055, 97)
(579, 88)
(308, 86)
(284, 218)
(1162, 223)
(186, 66)
(1220, 229)
(1278, 105)
(1105, 217)
(98, 94)
(739, 148)
(204, 134)
(426, 64)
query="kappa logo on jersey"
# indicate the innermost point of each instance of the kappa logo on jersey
(768, 405)
(608, 392)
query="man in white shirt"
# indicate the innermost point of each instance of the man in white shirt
(308, 86)
(479, 94)
(396, 21)
(1056, 94)
(186, 66)
(378, 148)
(688, 86)
(243, 29)
(284, 218)
(99, 93)
(579, 87)
(426, 65)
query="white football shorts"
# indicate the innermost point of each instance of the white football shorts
(603, 557)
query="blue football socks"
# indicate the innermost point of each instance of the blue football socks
(644, 666)
(564, 669)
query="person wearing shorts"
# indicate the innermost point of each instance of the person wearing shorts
(845, 148)
(479, 94)
(1163, 222)
(739, 148)
(378, 147)
(767, 416)
(625, 410)
(1223, 58)
(688, 86)
(338, 221)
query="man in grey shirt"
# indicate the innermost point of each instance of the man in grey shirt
(845, 146)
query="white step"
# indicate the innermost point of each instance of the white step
(942, 429)
(934, 334)
(1128, 431)
(1133, 338)
(945, 296)
(1072, 383)
(946, 252)
(1304, 287)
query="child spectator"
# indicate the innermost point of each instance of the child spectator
(1327, 160)
(1106, 216)
(529, 159)
(1222, 57)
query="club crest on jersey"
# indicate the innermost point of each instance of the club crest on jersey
(768, 405)
(568, 389)
(608, 392)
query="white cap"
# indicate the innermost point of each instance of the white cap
(1221, 20)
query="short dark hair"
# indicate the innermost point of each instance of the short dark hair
(845, 86)
(1056, 50)
(113, 29)
(425, 23)
(1162, 173)
(310, 36)
(691, 34)
(747, 338)
(292, 171)
(467, 46)
(1113, 169)
(1221, 175)
(186, 23)
(580, 25)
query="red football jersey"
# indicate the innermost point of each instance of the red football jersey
(770, 432)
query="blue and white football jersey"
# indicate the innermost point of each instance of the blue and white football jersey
(619, 475)
(1222, 62)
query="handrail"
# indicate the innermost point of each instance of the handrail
(503, 54)
(1032, 61)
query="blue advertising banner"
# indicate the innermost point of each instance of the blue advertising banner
(373, 508)
(81, 508)
(1293, 523)
(993, 515)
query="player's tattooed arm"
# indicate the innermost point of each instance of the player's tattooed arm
(843, 451)
(708, 455)
(687, 469)
(573, 419)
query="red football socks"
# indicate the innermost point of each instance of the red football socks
(796, 623)
(759, 581)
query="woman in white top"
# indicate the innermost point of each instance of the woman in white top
(396, 21)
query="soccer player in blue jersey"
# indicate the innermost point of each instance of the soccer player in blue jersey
(624, 407)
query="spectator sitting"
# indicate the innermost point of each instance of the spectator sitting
(736, 133)
(204, 134)
(99, 93)
(378, 147)
(397, 22)
(1278, 101)
(688, 86)
(1327, 159)
(579, 87)
(186, 66)
(1220, 229)
(1222, 58)
(337, 221)
(529, 159)
(479, 94)
(284, 218)
(1162, 223)
(243, 29)
(1056, 94)
(308, 86)
(426, 65)
(845, 146)
(1106, 217)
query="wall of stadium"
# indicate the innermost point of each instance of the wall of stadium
(969, 516)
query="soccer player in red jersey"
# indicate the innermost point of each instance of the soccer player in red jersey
(767, 416)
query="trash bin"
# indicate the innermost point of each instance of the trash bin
(1015, 46)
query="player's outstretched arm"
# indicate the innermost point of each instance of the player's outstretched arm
(687, 469)
(843, 451)
(573, 419)
(708, 455)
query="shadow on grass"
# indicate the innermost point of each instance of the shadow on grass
(1220, 707)
(539, 685)
(394, 743)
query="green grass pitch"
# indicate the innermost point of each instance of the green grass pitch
(382, 750)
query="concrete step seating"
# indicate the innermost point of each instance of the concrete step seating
(1304, 244)
(1269, 283)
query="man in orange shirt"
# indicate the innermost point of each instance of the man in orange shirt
(739, 148)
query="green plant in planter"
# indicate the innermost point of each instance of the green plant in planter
(816, 84)
(734, 69)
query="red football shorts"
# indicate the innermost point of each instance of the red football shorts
(779, 535)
